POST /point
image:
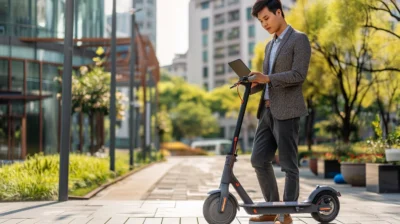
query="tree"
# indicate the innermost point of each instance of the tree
(91, 96)
(190, 120)
(338, 36)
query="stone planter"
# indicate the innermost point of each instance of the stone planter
(382, 178)
(313, 164)
(353, 173)
(328, 168)
(392, 155)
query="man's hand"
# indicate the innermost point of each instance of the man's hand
(258, 77)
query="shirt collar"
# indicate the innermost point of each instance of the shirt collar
(280, 37)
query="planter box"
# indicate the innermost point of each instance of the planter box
(353, 173)
(392, 155)
(328, 168)
(383, 178)
(313, 164)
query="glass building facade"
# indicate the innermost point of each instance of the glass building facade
(29, 108)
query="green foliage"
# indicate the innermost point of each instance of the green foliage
(190, 119)
(37, 177)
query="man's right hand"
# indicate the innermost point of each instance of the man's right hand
(254, 84)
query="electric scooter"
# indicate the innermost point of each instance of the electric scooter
(221, 206)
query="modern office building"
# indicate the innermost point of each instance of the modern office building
(178, 66)
(31, 56)
(146, 20)
(221, 31)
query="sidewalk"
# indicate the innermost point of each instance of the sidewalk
(134, 199)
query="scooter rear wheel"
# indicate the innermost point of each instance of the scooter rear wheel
(213, 215)
(324, 199)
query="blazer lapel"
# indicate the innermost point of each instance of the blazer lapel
(284, 40)
(266, 60)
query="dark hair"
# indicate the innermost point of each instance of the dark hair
(272, 5)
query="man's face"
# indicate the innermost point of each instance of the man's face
(269, 21)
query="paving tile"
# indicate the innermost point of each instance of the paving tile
(189, 220)
(171, 221)
(81, 220)
(99, 220)
(153, 221)
(29, 221)
(14, 221)
(117, 220)
(135, 221)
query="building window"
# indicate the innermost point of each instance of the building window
(251, 48)
(205, 5)
(220, 69)
(233, 16)
(219, 52)
(205, 86)
(204, 24)
(205, 40)
(219, 19)
(219, 36)
(205, 72)
(218, 4)
(234, 49)
(219, 83)
(3, 74)
(205, 56)
(252, 31)
(232, 2)
(234, 33)
(248, 12)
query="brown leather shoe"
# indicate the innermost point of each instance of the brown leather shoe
(287, 219)
(263, 218)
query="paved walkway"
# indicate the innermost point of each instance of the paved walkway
(173, 193)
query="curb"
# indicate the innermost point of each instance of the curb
(104, 186)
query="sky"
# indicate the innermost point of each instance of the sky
(172, 26)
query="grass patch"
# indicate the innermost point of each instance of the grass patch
(37, 177)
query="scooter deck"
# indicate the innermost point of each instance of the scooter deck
(279, 207)
(277, 204)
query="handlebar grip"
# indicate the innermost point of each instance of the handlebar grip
(251, 78)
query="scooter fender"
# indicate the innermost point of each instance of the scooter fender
(230, 194)
(321, 189)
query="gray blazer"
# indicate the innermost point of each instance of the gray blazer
(288, 74)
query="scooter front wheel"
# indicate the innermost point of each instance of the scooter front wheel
(213, 215)
(328, 206)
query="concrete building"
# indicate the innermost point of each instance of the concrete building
(178, 66)
(221, 31)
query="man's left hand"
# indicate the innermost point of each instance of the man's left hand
(258, 77)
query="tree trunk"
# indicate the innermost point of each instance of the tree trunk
(310, 123)
(91, 120)
(346, 129)
(80, 132)
(98, 131)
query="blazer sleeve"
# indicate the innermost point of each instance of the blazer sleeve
(301, 60)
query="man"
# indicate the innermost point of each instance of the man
(285, 67)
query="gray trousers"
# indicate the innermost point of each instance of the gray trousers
(272, 134)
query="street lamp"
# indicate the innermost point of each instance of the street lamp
(66, 102)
